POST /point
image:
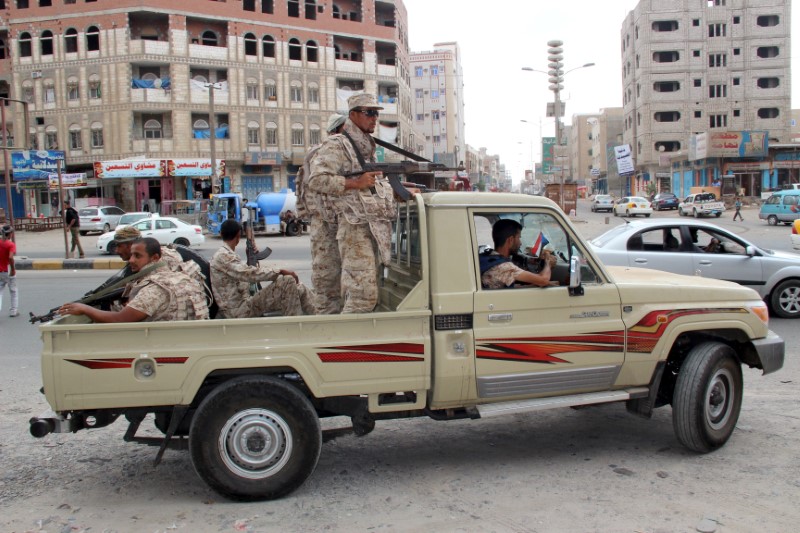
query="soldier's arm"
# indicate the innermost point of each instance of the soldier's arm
(241, 271)
(127, 314)
(324, 169)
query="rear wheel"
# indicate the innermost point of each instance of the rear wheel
(106, 227)
(255, 438)
(772, 220)
(718, 215)
(707, 397)
(293, 228)
(785, 299)
(182, 241)
(112, 248)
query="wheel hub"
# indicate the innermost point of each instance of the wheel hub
(790, 300)
(255, 443)
(719, 399)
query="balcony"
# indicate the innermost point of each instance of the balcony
(152, 96)
(387, 70)
(199, 52)
(158, 48)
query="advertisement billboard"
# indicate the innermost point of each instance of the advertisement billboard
(738, 144)
(34, 164)
(548, 143)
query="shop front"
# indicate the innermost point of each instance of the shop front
(260, 173)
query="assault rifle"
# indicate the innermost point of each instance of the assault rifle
(394, 171)
(252, 252)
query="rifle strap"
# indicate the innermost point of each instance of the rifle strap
(397, 187)
(361, 160)
(397, 149)
(121, 283)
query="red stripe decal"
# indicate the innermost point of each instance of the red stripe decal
(396, 347)
(365, 357)
(171, 360)
(103, 364)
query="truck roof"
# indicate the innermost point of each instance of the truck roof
(485, 199)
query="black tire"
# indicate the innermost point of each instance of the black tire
(695, 213)
(292, 229)
(615, 213)
(83, 233)
(255, 438)
(111, 248)
(106, 227)
(681, 213)
(647, 215)
(718, 215)
(772, 220)
(785, 299)
(183, 241)
(707, 397)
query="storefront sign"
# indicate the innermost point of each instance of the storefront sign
(140, 168)
(747, 166)
(68, 180)
(738, 143)
(31, 164)
(698, 146)
(262, 158)
(193, 167)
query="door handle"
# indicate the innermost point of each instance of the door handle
(500, 317)
(705, 262)
(640, 261)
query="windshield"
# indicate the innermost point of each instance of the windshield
(608, 236)
(87, 212)
(130, 219)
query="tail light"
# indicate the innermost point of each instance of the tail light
(95, 219)
(198, 230)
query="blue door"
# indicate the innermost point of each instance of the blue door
(253, 185)
(17, 202)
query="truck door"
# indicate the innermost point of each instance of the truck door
(532, 341)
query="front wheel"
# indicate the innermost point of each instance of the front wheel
(785, 299)
(183, 241)
(718, 215)
(647, 215)
(772, 220)
(695, 213)
(681, 213)
(293, 229)
(112, 248)
(707, 397)
(255, 438)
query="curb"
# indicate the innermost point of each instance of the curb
(70, 264)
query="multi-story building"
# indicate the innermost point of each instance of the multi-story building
(438, 102)
(250, 83)
(605, 132)
(703, 66)
(580, 148)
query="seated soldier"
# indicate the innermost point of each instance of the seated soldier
(231, 278)
(160, 295)
(497, 269)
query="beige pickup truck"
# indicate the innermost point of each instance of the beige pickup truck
(246, 396)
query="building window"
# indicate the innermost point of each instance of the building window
(695, 53)
(712, 3)
(666, 86)
(766, 21)
(252, 133)
(434, 70)
(208, 38)
(768, 83)
(267, 6)
(437, 139)
(298, 135)
(49, 94)
(718, 121)
(311, 52)
(270, 91)
(418, 72)
(420, 117)
(434, 115)
(25, 49)
(71, 41)
(28, 92)
(667, 116)
(737, 51)
(296, 92)
(46, 43)
(768, 112)
(665, 25)
(418, 93)
(313, 93)
(668, 146)
(75, 142)
(717, 30)
(94, 89)
(295, 50)
(97, 135)
(434, 93)
(271, 134)
(268, 46)
(698, 114)
(33, 139)
(717, 60)
(252, 91)
(718, 91)
(670, 56)
(250, 45)
(92, 39)
(22, 4)
(314, 135)
(249, 5)
(152, 129)
(695, 22)
(736, 112)
(294, 8)
(698, 82)
(51, 138)
(73, 91)
(767, 52)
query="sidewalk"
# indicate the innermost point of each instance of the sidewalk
(51, 243)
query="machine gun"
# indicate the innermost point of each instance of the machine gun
(394, 171)
(252, 252)
(103, 296)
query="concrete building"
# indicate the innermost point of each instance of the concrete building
(438, 100)
(703, 67)
(108, 81)
(580, 148)
(605, 133)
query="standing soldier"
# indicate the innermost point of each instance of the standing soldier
(326, 273)
(364, 217)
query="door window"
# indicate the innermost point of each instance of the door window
(165, 224)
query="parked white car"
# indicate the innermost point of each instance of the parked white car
(129, 218)
(166, 230)
(630, 206)
(99, 218)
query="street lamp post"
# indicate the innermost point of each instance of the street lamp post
(6, 148)
(212, 129)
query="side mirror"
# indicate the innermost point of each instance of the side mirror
(750, 250)
(575, 287)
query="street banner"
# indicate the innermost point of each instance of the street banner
(34, 164)
(67, 180)
(137, 168)
(193, 167)
(548, 143)
(622, 154)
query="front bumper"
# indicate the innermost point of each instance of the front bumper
(771, 350)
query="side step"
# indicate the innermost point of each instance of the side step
(540, 404)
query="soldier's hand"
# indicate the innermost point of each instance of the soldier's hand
(364, 181)
(289, 273)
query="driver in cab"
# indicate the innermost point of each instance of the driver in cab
(498, 271)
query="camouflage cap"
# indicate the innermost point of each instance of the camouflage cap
(126, 234)
(334, 121)
(362, 100)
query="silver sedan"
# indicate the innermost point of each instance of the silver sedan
(704, 249)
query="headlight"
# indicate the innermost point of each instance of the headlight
(760, 310)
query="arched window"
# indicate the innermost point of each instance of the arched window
(33, 139)
(92, 39)
(97, 135)
(250, 45)
(298, 134)
(295, 49)
(25, 49)
(51, 138)
(28, 93)
(71, 41)
(251, 89)
(313, 93)
(49, 92)
(271, 134)
(268, 46)
(311, 52)
(94, 86)
(75, 137)
(73, 89)
(198, 78)
(208, 38)
(270, 90)
(200, 124)
(46, 43)
(252, 133)
(296, 91)
(152, 129)
(314, 134)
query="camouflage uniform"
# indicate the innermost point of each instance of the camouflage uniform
(501, 276)
(167, 295)
(364, 218)
(230, 281)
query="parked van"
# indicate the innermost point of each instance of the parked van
(782, 206)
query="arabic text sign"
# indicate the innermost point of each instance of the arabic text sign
(547, 154)
(193, 167)
(737, 144)
(140, 168)
(624, 160)
(67, 180)
(30, 164)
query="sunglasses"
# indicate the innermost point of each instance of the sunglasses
(369, 112)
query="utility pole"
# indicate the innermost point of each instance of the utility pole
(212, 128)
(6, 148)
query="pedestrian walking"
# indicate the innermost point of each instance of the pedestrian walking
(738, 206)
(8, 271)
(73, 222)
